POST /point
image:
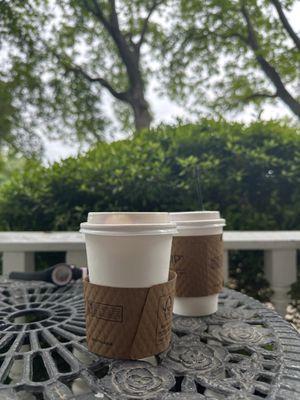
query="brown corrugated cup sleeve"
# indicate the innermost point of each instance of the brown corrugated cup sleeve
(129, 323)
(198, 263)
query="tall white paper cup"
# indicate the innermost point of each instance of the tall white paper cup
(197, 223)
(128, 249)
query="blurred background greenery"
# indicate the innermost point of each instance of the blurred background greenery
(251, 173)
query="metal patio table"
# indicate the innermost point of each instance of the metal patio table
(244, 351)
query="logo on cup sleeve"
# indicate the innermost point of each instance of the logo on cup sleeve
(164, 318)
(175, 258)
(108, 312)
(167, 307)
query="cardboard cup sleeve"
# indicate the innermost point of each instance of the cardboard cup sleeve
(198, 263)
(129, 323)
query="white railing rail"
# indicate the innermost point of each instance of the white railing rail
(280, 253)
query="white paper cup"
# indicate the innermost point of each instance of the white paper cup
(128, 249)
(197, 223)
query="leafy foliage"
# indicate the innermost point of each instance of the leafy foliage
(60, 58)
(9, 164)
(17, 78)
(250, 173)
(233, 53)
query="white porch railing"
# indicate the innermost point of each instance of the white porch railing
(280, 253)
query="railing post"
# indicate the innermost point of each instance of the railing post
(281, 271)
(226, 265)
(17, 261)
(76, 257)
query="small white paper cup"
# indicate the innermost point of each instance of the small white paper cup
(128, 249)
(197, 223)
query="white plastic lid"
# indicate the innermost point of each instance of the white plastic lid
(197, 220)
(128, 224)
(194, 216)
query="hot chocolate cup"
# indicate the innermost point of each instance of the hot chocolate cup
(197, 258)
(130, 291)
(128, 249)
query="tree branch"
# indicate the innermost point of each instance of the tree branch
(123, 96)
(259, 95)
(287, 26)
(98, 13)
(267, 68)
(232, 34)
(113, 15)
(252, 39)
(111, 24)
(146, 23)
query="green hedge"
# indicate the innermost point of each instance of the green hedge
(250, 173)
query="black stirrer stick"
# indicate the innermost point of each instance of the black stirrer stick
(198, 186)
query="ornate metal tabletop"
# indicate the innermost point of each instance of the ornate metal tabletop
(244, 351)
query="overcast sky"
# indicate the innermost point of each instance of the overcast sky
(165, 110)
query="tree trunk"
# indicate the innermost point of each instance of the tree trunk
(129, 52)
(136, 92)
(267, 68)
(290, 101)
(281, 90)
(138, 103)
(142, 116)
(287, 26)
